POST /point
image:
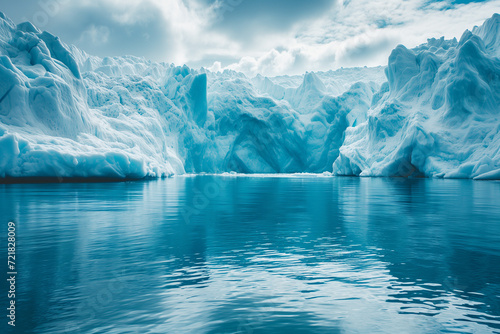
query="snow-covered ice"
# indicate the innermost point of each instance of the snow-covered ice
(438, 115)
(433, 111)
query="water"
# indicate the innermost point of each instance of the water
(210, 254)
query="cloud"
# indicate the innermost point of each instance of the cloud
(107, 27)
(97, 35)
(161, 30)
(250, 18)
(271, 63)
(216, 67)
(362, 32)
(254, 36)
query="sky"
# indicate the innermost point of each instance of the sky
(270, 37)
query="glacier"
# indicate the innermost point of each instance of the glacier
(437, 115)
(433, 111)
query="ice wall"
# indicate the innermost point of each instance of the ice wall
(433, 111)
(48, 128)
(439, 115)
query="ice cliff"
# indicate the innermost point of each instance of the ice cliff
(433, 111)
(437, 116)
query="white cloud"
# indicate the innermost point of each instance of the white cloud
(340, 33)
(363, 32)
(271, 63)
(216, 67)
(97, 35)
(188, 22)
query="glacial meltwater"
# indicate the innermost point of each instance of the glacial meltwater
(239, 254)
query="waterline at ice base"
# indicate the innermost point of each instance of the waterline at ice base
(433, 111)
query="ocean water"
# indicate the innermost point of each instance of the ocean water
(226, 254)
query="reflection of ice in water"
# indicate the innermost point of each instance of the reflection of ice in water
(359, 299)
(297, 254)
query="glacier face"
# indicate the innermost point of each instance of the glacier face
(438, 115)
(433, 111)
(48, 128)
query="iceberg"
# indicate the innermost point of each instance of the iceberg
(438, 114)
(433, 112)
(47, 125)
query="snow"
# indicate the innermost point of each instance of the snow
(433, 111)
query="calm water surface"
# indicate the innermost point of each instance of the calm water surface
(213, 254)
